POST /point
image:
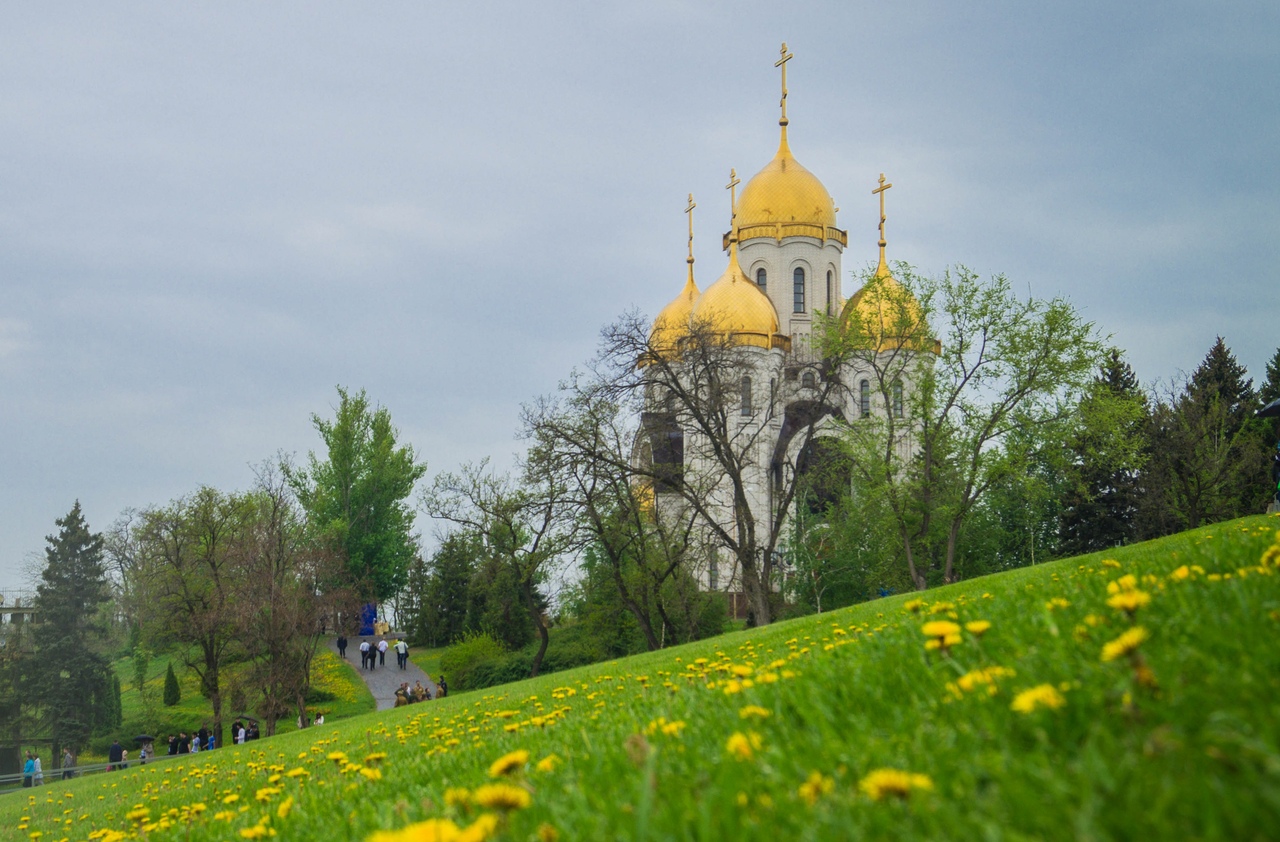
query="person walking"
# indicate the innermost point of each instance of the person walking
(68, 761)
(365, 652)
(114, 754)
(444, 687)
(402, 654)
(382, 652)
(39, 772)
(29, 770)
(342, 645)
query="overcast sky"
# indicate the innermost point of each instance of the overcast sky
(213, 214)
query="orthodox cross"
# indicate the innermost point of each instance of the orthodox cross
(732, 187)
(883, 187)
(782, 62)
(689, 211)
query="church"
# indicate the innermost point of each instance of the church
(777, 298)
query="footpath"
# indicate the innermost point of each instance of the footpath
(385, 679)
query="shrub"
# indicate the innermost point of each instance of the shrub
(172, 692)
(459, 660)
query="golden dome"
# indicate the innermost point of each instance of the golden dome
(886, 316)
(737, 308)
(786, 200)
(672, 323)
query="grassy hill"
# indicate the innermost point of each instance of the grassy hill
(1133, 694)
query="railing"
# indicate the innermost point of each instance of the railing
(12, 782)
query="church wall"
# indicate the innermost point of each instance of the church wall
(780, 262)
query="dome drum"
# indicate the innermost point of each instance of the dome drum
(779, 231)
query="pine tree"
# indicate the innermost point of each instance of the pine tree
(172, 691)
(75, 680)
(1208, 461)
(1107, 449)
(1270, 390)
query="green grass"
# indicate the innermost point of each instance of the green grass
(843, 694)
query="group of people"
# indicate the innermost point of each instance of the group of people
(374, 654)
(406, 695)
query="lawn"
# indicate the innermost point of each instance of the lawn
(1132, 694)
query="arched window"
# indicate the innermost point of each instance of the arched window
(864, 399)
(762, 279)
(798, 290)
(897, 399)
(829, 279)
(807, 380)
(746, 396)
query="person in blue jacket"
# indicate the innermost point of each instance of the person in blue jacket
(29, 770)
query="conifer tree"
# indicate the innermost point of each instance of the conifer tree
(74, 679)
(1107, 450)
(172, 692)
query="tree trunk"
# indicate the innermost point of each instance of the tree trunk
(642, 616)
(543, 635)
(756, 592)
(953, 537)
(917, 578)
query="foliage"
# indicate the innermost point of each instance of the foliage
(840, 726)
(1208, 459)
(172, 692)
(73, 682)
(459, 660)
(355, 498)
(979, 407)
(1108, 450)
(445, 595)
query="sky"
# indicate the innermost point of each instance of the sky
(213, 214)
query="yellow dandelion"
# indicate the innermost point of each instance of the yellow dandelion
(285, 806)
(1044, 695)
(743, 746)
(432, 830)
(456, 796)
(548, 763)
(882, 783)
(508, 763)
(547, 833)
(914, 605)
(815, 787)
(1129, 601)
(1124, 644)
(1056, 603)
(753, 712)
(977, 627)
(940, 628)
(502, 797)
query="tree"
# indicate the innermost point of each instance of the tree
(973, 405)
(524, 524)
(172, 691)
(74, 682)
(1208, 454)
(444, 594)
(187, 565)
(356, 498)
(1108, 447)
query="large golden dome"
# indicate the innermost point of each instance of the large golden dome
(886, 316)
(672, 323)
(786, 200)
(735, 307)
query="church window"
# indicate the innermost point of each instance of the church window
(798, 290)
(829, 279)
(807, 380)
(864, 399)
(746, 396)
(762, 279)
(897, 399)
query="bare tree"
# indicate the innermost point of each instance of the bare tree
(525, 524)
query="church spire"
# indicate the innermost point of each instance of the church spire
(689, 212)
(883, 268)
(732, 187)
(782, 62)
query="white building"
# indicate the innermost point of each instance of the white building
(783, 277)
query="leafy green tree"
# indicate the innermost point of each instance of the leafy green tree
(172, 690)
(356, 497)
(1270, 389)
(74, 679)
(444, 599)
(976, 406)
(1108, 447)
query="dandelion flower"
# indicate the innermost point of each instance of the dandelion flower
(743, 746)
(815, 787)
(977, 627)
(940, 628)
(1044, 695)
(883, 783)
(432, 830)
(548, 763)
(508, 763)
(753, 711)
(1124, 644)
(502, 797)
(1129, 601)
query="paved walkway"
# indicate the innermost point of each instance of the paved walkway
(384, 680)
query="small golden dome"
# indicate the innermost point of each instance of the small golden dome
(737, 308)
(887, 316)
(672, 323)
(786, 200)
